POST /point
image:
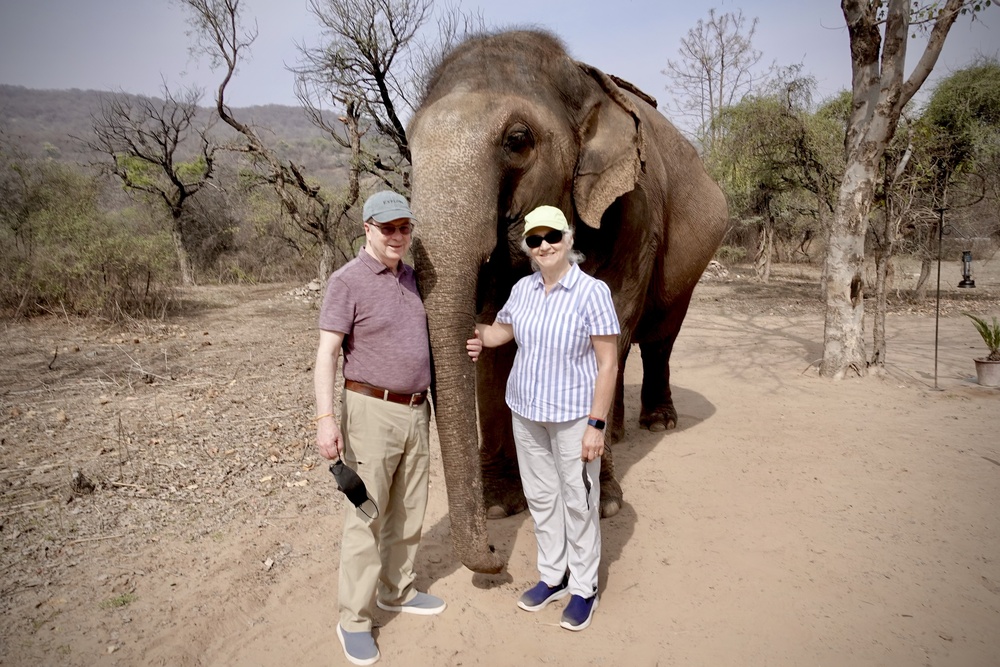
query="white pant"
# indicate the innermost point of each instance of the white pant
(567, 530)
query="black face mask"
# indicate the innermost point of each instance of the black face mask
(352, 485)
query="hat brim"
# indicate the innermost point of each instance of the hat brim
(545, 224)
(397, 213)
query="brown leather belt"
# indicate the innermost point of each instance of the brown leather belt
(385, 394)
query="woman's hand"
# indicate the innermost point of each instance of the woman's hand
(593, 444)
(474, 345)
(489, 335)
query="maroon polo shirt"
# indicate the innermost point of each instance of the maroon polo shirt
(383, 322)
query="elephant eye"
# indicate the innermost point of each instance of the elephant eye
(518, 139)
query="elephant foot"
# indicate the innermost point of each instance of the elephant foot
(500, 505)
(610, 507)
(664, 419)
(611, 497)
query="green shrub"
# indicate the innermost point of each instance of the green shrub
(62, 253)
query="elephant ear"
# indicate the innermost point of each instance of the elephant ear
(611, 149)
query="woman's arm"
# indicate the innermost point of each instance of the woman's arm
(606, 350)
(489, 335)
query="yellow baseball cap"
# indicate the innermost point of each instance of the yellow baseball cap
(545, 216)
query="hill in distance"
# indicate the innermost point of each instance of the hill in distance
(50, 123)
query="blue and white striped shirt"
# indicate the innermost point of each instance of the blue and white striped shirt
(555, 369)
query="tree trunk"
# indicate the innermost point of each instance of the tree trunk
(326, 260)
(883, 259)
(765, 248)
(925, 274)
(183, 261)
(843, 333)
(928, 252)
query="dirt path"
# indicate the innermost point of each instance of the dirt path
(789, 520)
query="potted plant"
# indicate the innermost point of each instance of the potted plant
(988, 368)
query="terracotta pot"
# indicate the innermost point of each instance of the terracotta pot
(988, 372)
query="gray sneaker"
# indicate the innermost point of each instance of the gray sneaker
(359, 647)
(422, 604)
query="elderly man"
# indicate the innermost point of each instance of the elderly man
(372, 311)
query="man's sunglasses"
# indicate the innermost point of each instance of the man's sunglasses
(552, 238)
(389, 230)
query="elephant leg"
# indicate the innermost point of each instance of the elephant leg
(657, 342)
(611, 490)
(502, 491)
(658, 413)
(616, 422)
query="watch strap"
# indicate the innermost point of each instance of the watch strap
(599, 424)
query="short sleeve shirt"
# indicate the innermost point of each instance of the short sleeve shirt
(384, 322)
(555, 369)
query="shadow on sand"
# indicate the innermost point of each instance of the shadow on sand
(436, 560)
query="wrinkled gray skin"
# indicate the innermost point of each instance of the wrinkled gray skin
(509, 123)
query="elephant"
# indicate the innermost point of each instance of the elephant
(508, 122)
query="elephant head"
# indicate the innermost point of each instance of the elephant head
(509, 122)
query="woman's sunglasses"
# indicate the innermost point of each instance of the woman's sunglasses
(535, 240)
(389, 230)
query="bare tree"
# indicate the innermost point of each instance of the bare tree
(374, 58)
(714, 71)
(363, 59)
(220, 34)
(879, 32)
(142, 137)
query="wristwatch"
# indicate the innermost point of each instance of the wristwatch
(599, 424)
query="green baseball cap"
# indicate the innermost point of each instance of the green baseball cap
(386, 206)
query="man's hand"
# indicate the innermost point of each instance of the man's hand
(328, 438)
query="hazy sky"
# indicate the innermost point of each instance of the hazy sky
(133, 44)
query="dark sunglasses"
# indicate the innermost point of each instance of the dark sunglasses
(389, 230)
(535, 240)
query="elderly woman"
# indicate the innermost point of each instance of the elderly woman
(559, 392)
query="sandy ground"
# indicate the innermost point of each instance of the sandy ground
(789, 520)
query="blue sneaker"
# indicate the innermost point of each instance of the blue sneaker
(578, 613)
(359, 647)
(422, 604)
(539, 595)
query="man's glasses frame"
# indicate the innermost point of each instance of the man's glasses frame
(535, 240)
(388, 230)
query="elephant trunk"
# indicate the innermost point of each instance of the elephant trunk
(455, 203)
(455, 414)
(451, 320)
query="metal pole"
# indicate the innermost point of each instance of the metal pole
(937, 308)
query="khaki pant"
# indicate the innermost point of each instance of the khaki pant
(388, 445)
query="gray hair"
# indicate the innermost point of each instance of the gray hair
(574, 256)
